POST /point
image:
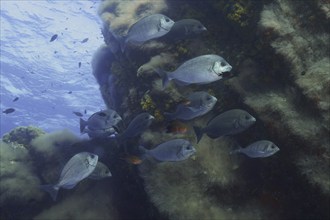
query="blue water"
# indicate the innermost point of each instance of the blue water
(45, 75)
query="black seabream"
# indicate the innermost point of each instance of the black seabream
(147, 28)
(198, 104)
(76, 169)
(227, 123)
(199, 70)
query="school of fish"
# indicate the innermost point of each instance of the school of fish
(200, 70)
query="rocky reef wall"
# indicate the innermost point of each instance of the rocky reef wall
(279, 51)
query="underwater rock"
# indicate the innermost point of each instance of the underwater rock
(278, 76)
(90, 203)
(19, 185)
(303, 43)
(120, 15)
(181, 189)
(23, 135)
(101, 64)
(160, 61)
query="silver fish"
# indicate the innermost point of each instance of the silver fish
(137, 126)
(101, 171)
(199, 70)
(261, 148)
(101, 124)
(199, 103)
(184, 29)
(76, 169)
(173, 150)
(227, 123)
(147, 28)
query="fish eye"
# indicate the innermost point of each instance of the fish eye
(167, 20)
(92, 156)
(188, 147)
(199, 26)
(222, 64)
(115, 116)
(272, 146)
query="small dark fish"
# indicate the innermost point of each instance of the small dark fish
(69, 92)
(8, 110)
(84, 40)
(85, 111)
(79, 64)
(78, 114)
(15, 99)
(54, 37)
(55, 52)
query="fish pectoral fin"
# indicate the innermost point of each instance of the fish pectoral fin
(236, 123)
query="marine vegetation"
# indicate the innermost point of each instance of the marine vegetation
(22, 135)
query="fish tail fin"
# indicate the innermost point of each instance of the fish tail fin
(51, 189)
(83, 124)
(235, 148)
(164, 75)
(235, 151)
(199, 133)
